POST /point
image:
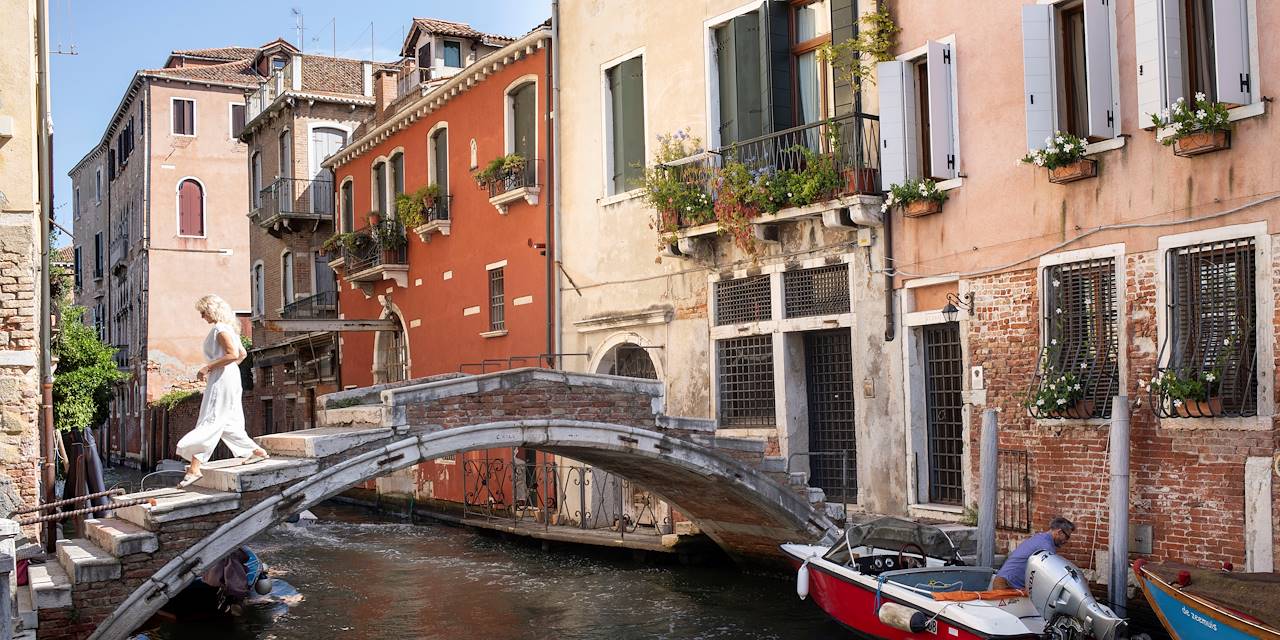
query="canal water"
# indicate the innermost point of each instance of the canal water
(356, 574)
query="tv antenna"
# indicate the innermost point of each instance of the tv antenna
(297, 15)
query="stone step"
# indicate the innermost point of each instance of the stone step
(84, 561)
(774, 464)
(816, 495)
(320, 442)
(50, 586)
(368, 415)
(27, 617)
(798, 478)
(120, 537)
(175, 504)
(230, 475)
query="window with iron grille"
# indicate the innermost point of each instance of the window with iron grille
(743, 300)
(819, 291)
(1078, 371)
(1210, 351)
(746, 381)
(497, 310)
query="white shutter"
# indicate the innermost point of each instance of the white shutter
(1231, 51)
(1098, 59)
(1173, 44)
(893, 81)
(942, 152)
(1037, 70)
(1147, 32)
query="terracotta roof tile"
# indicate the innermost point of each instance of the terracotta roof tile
(239, 72)
(220, 53)
(458, 29)
(332, 75)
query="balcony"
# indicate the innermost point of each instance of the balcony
(265, 95)
(513, 184)
(289, 203)
(842, 152)
(435, 218)
(321, 306)
(119, 254)
(413, 77)
(377, 253)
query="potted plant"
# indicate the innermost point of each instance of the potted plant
(374, 218)
(333, 245)
(857, 179)
(1196, 128)
(1063, 156)
(1189, 394)
(854, 60)
(1059, 394)
(677, 188)
(501, 168)
(411, 208)
(916, 198)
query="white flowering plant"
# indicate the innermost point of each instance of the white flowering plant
(1186, 118)
(1192, 384)
(912, 191)
(1058, 391)
(1060, 150)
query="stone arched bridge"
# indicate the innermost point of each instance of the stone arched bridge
(129, 565)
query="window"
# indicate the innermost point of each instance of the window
(184, 117)
(75, 203)
(259, 301)
(190, 208)
(745, 382)
(497, 306)
(440, 159)
(522, 135)
(380, 187)
(284, 168)
(278, 63)
(1188, 47)
(79, 278)
(1211, 345)
(397, 176)
(743, 300)
(752, 63)
(1068, 66)
(348, 206)
(452, 54)
(628, 360)
(625, 125)
(424, 57)
(286, 277)
(97, 186)
(816, 292)
(237, 120)
(268, 407)
(255, 180)
(97, 255)
(1080, 355)
(917, 119)
(807, 25)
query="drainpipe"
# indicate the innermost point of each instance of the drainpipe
(44, 174)
(557, 311)
(1118, 534)
(890, 321)
(553, 201)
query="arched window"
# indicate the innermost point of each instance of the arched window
(390, 355)
(255, 180)
(628, 360)
(259, 303)
(190, 208)
(286, 277)
(522, 106)
(348, 203)
(380, 187)
(440, 159)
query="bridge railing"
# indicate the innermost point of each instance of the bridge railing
(549, 493)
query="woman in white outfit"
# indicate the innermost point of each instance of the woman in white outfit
(221, 415)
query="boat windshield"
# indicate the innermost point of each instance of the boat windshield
(892, 534)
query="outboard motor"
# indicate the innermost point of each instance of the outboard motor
(1063, 599)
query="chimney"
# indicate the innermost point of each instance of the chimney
(384, 91)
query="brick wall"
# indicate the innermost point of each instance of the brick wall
(181, 419)
(1187, 481)
(19, 357)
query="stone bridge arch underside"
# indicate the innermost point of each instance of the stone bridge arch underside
(610, 422)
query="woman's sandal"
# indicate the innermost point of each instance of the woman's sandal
(189, 479)
(254, 457)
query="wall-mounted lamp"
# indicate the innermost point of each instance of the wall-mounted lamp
(954, 303)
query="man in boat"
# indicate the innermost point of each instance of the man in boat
(1013, 573)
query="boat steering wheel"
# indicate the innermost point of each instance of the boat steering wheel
(902, 559)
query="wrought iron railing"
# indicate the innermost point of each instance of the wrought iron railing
(525, 175)
(267, 92)
(295, 197)
(850, 142)
(321, 305)
(546, 493)
(380, 244)
(437, 210)
(1013, 498)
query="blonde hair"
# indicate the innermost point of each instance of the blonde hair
(218, 309)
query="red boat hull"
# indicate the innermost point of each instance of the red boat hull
(854, 605)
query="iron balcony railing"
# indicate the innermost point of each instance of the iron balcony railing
(850, 142)
(437, 210)
(267, 91)
(377, 245)
(514, 178)
(322, 305)
(295, 198)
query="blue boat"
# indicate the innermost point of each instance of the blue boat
(1198, 604)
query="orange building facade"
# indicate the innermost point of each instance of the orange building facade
(462, 272)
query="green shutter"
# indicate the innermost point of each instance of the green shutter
(741, 82)
(777, 77)
(633, 123)
(725, 72)
(617, 111)
(442, 160)
(524, 105)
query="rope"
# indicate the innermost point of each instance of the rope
(59, 503)
(87, 510)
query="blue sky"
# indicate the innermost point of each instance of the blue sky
(113, 39)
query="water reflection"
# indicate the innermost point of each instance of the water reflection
(364, 577)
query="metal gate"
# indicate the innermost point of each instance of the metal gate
(828, 359)
(944, 412)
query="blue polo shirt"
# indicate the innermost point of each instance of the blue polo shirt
(1015, 568)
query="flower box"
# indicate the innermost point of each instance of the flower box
(1199, 408)
(921, 208)
(1201, 142)
(1078, 170)
(1081, 410)
(861, 181)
